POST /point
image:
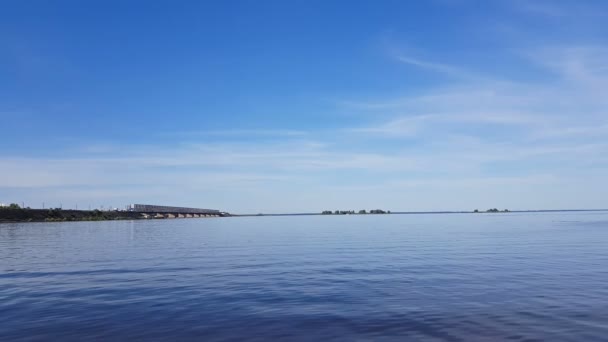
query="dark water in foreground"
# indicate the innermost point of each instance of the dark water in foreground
(399, 277)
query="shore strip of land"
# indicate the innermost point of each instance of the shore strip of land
(10, 215)
(428, 212)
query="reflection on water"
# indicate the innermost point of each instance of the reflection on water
(432, 277)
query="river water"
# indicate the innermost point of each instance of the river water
(450, 277)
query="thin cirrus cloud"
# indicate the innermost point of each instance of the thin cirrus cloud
(242, 133)
(557, 10)
(436, 67)
(573, 97)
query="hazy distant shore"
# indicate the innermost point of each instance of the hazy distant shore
(426, 212)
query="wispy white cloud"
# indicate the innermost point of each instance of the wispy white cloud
(436, 67)
(557, 9)
(580, 66)
(240, 133)
(541, 7)
(585, 131)
(571, 102)
(185, 174)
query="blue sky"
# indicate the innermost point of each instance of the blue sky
(297, 106)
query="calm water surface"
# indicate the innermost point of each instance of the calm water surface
(366, 278)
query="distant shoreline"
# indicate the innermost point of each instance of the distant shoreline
(58, 215)
(430, 212)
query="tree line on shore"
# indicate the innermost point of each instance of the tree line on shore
(15, 213)
(352, 212)
(493, 210)
(10, 206)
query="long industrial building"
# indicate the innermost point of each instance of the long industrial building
(147, 208)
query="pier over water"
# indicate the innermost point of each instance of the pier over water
(171, 212)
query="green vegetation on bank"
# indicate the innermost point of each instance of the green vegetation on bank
(352, 212)
(10, 206)
(13, 213)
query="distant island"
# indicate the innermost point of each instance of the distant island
(493, 210)
(380, 211)
(352, 212)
